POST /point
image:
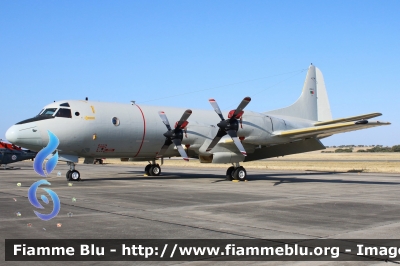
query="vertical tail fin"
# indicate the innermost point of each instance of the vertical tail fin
(324, 108)
(313, 103)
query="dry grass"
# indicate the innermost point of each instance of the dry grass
(317, 161)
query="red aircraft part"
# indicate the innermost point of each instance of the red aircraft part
(238, 116)
(183, 125)
(9, 146)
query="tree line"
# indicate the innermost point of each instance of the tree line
(375, 148)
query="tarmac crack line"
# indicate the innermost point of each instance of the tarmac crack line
(165, 222)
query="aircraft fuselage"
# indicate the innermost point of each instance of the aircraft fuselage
(115, 130)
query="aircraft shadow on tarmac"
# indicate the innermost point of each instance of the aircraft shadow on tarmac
(14, 168)
(284, 178)
(342, 181)
(287, 178)
(163, 176)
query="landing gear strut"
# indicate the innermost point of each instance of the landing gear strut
(236, 172)
(72, 174)
(152, 169)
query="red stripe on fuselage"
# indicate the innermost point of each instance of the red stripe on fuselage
(144, 130)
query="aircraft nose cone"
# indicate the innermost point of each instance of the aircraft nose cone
(12, 134)
(26, 135)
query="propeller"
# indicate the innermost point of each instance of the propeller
(174, 135)
(229, 126)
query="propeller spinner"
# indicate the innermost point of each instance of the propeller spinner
(174, 135)
(229, 126)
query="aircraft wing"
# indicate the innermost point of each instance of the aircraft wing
(327, 130)
(348, 119)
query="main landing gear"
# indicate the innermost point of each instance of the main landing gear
(236, 172)
(152, 169)
(72, 174)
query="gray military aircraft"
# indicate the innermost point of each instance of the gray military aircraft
(137, 132)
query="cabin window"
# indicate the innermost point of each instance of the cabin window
(77, 113)
(115, 121)
(49, 112)
(63, 112)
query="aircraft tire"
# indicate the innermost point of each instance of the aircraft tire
(240, 174)
(67, 174)
(147, 169)
(155, 170)
(229, 173)
(98, 161)
(74, 176)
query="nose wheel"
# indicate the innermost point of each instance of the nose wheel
(72, 174)
(152, 169)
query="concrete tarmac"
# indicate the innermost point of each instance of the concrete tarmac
(117, 201)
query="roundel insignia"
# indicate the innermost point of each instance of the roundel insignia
(14, 157)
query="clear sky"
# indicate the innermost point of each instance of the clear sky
(148, 51)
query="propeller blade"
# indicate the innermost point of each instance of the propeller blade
(181, 151)
(164, 119)
(241, 106)
(164, 148)
(214, 104)
(217, 138)
(233, 135)
(184, 117)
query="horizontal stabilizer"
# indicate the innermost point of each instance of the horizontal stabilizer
(348, 119)
(327, 130)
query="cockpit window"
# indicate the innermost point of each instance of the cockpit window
(40, 112)
(65, 104)
(43, 115)
(63, 112)
(49, 112)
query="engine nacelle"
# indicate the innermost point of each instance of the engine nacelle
(227, 157)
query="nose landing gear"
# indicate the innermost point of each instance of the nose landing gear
(236, 172)
(72, 174)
